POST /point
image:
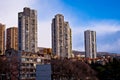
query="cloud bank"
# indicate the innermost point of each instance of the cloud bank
(10, 8)
(107, 33)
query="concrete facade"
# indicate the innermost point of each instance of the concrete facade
(2, 39)
(27, 66)
(61, 37)
(28, 62)
(90, 44)
(27, 29)
(12, 38)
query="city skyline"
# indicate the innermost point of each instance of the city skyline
(102, 17)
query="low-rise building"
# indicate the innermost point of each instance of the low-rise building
(28, 62)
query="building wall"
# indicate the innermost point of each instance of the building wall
(43, 72)
(68, 40)
(12, 38)
(61, 37)
(28, 62)
(27, 66)
(27, 28)
(43, 50)
(2, 39)
(90, 44)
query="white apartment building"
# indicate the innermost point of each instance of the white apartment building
(61, 37)
(27, 30)
(90, 44)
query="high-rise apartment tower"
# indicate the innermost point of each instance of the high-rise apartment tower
(90, 44)
(2, 39)
(27, 30)
(61, 37)
(12, 38)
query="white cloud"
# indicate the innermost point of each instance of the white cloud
(47, 8)
(103, 29)
(44, 33)
(110, 47)
(9, 10)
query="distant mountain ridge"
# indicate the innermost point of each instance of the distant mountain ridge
(75, 52)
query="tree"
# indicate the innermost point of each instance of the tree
(9, 65)
(4, 67)
(110, 71)
(72, 70)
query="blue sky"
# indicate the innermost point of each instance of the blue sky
(102, 16)
(96, 9)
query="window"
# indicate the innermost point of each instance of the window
(23, 59)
